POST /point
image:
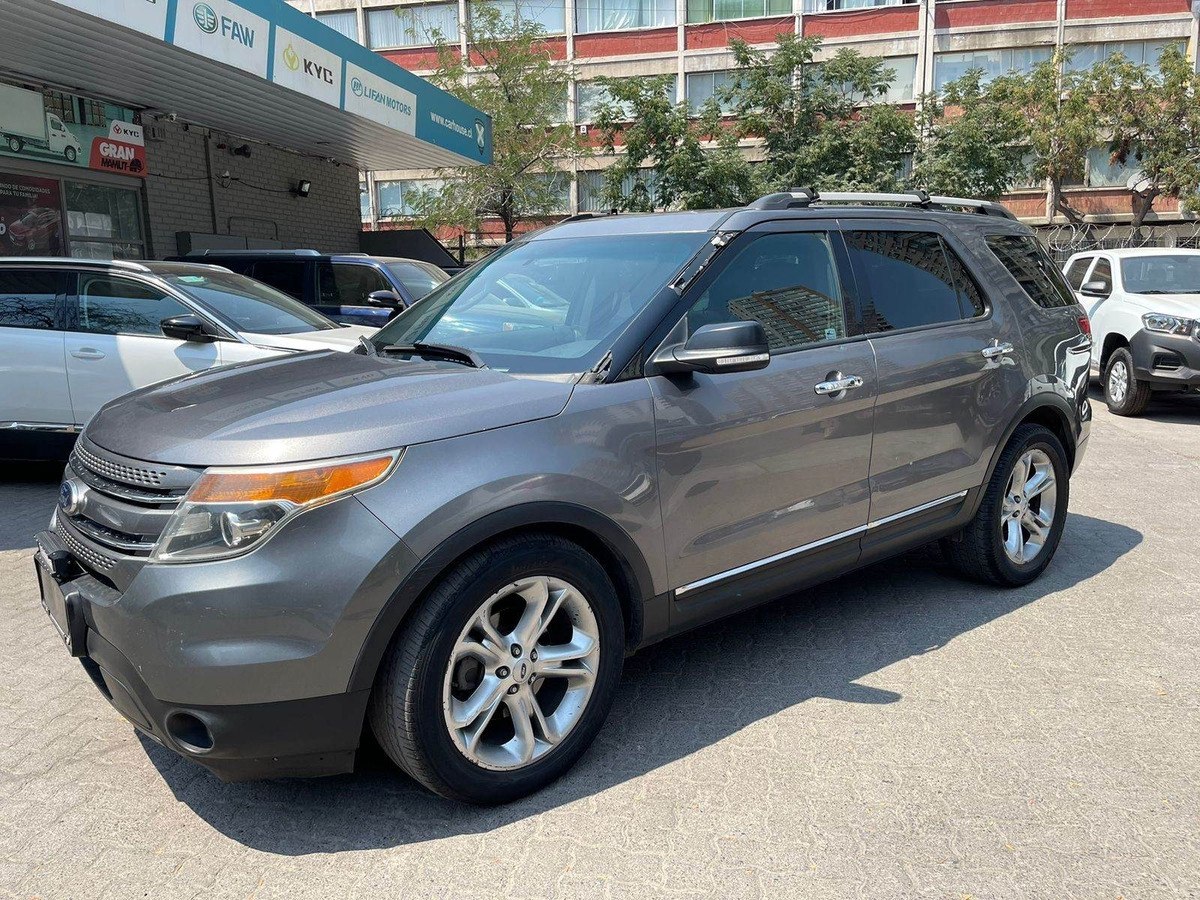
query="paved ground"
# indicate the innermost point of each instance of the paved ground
(895, 734)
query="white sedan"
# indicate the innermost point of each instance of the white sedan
(75, 334)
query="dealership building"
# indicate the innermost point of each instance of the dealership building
(146, 128)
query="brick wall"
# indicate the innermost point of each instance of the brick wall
(180, 199)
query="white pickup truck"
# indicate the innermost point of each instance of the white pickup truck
(25, 123)
(1144, 306)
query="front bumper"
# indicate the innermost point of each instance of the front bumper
(243, 665)
(1166, 361)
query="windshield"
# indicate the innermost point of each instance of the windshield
(250, 305)
(547, 306)
(1174, 273)
(418, 277)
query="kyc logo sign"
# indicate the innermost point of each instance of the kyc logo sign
(305, 67)
(380, 100)
(222, 30)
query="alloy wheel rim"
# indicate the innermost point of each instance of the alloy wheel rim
(1030, 502)
(1118, 382)
(521, 673)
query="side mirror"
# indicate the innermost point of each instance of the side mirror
(716, 349)
(1098, 288)
(187, 328)
(385, 299)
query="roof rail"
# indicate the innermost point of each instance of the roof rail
(579, 217)
(76, 262)
(801, 198)
(211, 252)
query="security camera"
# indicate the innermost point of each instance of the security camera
(172, 117)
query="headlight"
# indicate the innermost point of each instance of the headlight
(1167, 324)
(230, 511)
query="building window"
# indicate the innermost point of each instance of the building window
(1102, 172)
(902, 86)
(364, 201)
(590, 95)
(591, 188)
(559, 184)
(400, 198)
(103, 222)
(703, 86)
(551, 16)
(813, 6)
(412, 26)
(722, 10)
(342, 22)
(61, 105)
(618, 15)
(1084, 56)
(948, 67)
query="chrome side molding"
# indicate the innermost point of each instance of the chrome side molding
(816, 545)
(52, 427)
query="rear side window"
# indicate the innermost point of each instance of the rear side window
(787, 282)
(906, 277)
(29, 299)
(1029, 264)
(1077, 271)
(342, 284)
(283, 276)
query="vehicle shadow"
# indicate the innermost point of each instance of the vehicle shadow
(675, 699)
(1168, 409)
(30, 492)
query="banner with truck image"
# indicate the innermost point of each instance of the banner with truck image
(51, 126)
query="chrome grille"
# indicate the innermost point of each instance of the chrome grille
(117, 471)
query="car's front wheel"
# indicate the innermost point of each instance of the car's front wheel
(505, 673)
(1020, 519)
(1123, 392)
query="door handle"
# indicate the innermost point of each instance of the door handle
(88, 353)
(837, 385)
(996, 350)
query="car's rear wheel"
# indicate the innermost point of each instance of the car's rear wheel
(1123, 392)
(1020, 520)
(506, 672)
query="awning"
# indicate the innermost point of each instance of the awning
(257, 69)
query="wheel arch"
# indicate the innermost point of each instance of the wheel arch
(1048, 410)
(612, 546)
(1112, 341)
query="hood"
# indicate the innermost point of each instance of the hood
(1186, 306)
(329, 339)
(317, 405)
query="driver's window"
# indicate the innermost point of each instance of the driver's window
(787, 282)
(1102, 272)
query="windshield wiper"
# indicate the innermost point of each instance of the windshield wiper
(448, 352)
(366, 346)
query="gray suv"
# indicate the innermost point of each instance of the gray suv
(611, 431)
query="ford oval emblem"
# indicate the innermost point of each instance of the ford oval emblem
(70, 498)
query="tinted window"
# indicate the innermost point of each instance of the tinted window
(109, 305)
(1025, 259)
(547, 305)
(30, 299)
(343, 284)
(1077, 271)
(284, 276)
(969, 295)
(788, 283)
(417, 277)
(905, 278)
(1175, 273)
(1102, 272)
(249, 305)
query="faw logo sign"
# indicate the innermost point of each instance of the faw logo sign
(208, 21)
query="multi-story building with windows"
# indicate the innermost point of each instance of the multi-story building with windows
(927, 42)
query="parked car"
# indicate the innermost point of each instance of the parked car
(37, 229)
(457, 536)
(347, 287)
(1144, 305)
(77, 333)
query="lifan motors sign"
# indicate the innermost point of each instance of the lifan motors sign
(122, 151)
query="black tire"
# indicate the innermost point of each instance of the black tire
(70, 154)
(1137, 395)
(978, 551)
(406, 713)
(15, 144)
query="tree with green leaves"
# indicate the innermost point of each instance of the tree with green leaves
(511, 76)
(669, 159)
(1153, 122)
(971, 145)
(825, 124)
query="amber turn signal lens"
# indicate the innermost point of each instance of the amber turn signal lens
(298, 486)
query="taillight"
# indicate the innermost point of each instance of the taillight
(1085, 325)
